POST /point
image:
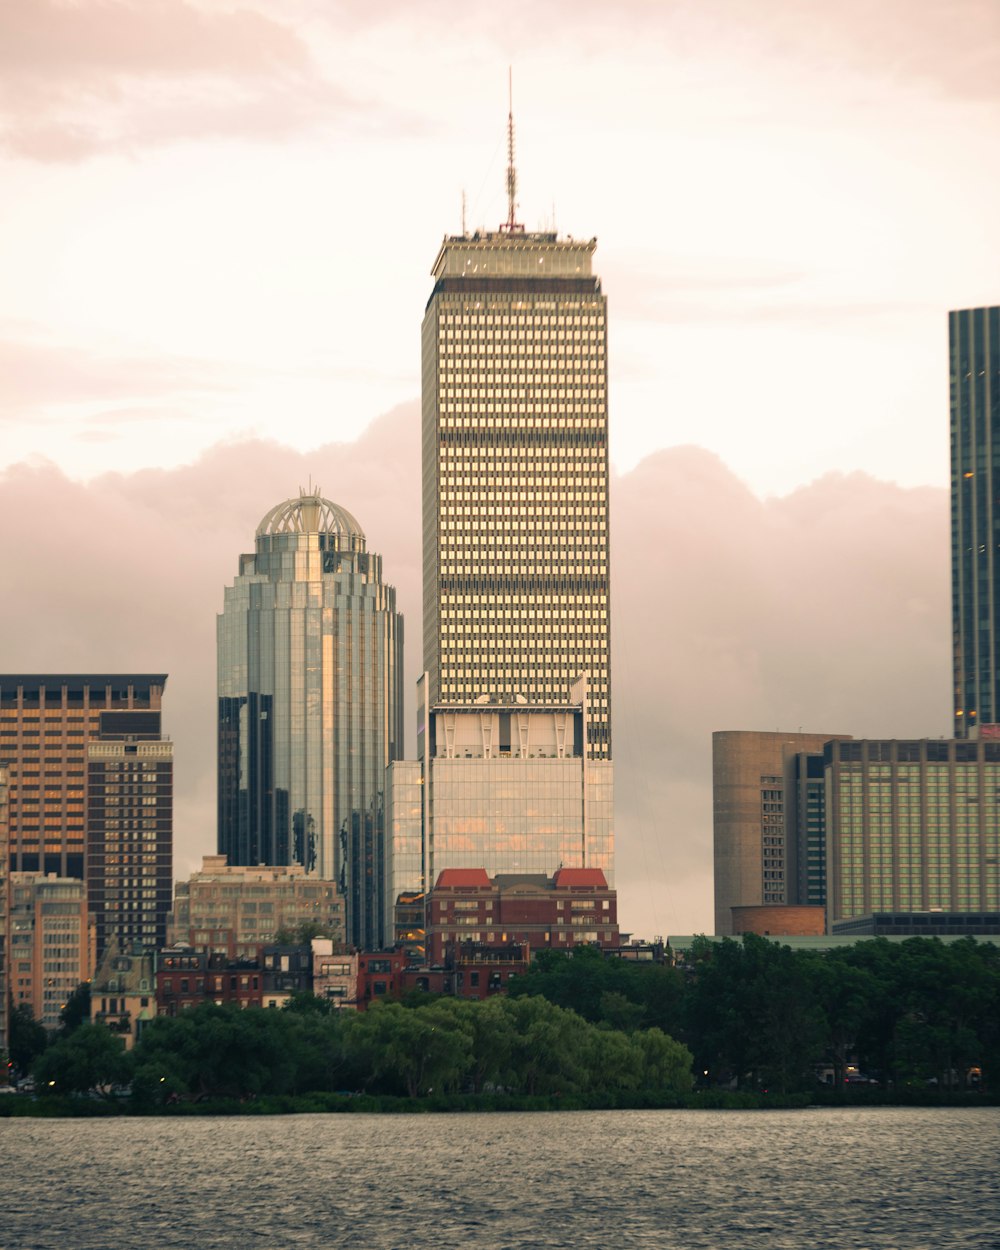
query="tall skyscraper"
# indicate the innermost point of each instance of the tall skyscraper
(974, 347)
(130, 797)
(310, 661)
(46, 725)
(515, 474)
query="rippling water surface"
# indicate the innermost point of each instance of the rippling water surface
(882, 1179)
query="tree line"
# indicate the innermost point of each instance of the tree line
(758, 1015)
(526, 1046)
(749, 1015)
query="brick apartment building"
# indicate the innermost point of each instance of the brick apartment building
(573, 907)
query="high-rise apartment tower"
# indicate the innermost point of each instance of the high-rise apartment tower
(515, 474)
(310, 651)
(974, 348)
(46, 724)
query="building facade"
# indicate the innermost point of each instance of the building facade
(46, 724)
(506, 787)
(468, 909)
(4, 901)
(123, 991)
(310, 705)
(129, 808)
(753, 795)
(974, 349)
(51, 942)
(912, 826)
(515, 474)
(231, 910)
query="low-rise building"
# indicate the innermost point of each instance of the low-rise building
(380, 975)
(123, 992)
(575, 906)
(335, 976)
(187, 978)
(287, 971)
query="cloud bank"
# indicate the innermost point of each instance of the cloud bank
(826, 610)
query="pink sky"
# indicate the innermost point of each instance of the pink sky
(218, 221)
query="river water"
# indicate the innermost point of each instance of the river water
(876, 1179)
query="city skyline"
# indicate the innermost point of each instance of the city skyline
(826, 359)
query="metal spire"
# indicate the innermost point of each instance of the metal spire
(511, 224)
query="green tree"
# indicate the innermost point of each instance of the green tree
(666, 1063)
(413, 1051)
(27, 1038)
(76, 1009)
(91, 1059)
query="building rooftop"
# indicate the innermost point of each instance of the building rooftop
(310, 513)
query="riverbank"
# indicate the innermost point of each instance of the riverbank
(53, 1106)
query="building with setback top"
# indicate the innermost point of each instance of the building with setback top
(515, 474)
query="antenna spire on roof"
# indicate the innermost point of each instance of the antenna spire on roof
(511, 223)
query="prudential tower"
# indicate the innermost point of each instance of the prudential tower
(515, 473)
(310, 652)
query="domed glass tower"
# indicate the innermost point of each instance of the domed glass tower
(310, 665)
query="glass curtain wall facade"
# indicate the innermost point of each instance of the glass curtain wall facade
(974, 343)
(510, 790)
(515, 475)
(912, 826)
(310, 650)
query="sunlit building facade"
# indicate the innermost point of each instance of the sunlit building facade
(974, 343)
(912, 826)
(46, 724)
(515, 475)
(767, 821)
(505, 787)
(310, 705)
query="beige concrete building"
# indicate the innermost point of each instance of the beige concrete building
(233, 909)
(51, 942)
(751, 776)
(335, 976)
(515, 474)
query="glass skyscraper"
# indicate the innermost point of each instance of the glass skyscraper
(310, 661)
(515, 475)
(974, 343)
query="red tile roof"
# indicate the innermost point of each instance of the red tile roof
(462, 878)
(592, 877)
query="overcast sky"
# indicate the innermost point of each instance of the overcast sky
(216, 226)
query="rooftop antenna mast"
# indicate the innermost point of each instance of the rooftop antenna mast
(511, 224)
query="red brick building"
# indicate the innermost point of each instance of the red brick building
(380, 975)
(187, 978)
(574, 907)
